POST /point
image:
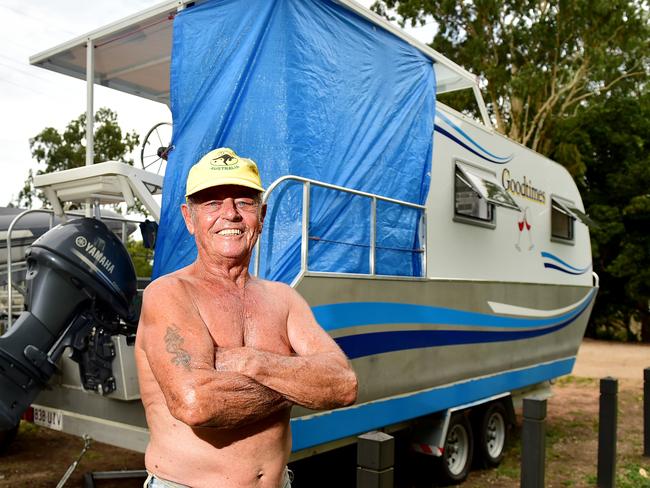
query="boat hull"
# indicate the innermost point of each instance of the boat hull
(421, 346)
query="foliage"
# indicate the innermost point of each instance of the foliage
(614, 139)
(142, 258)
(66, 150)
(538, 61)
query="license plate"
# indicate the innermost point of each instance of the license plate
(48, 417)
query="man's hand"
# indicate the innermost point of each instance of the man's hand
(235, 360)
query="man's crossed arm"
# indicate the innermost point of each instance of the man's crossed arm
(318, 376)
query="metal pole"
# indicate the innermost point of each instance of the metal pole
(304, 247)
(90, 112)
(256, 263)
(481, 106)
(646, 412)
(607, 433)
(424, 242)
(533, 444)
(10, 297)
(373, 233)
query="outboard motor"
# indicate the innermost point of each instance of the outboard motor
(81, 285)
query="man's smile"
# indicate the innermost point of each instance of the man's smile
(229, 232)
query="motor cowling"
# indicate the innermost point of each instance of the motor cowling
(81, 286)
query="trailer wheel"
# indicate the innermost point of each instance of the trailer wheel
(492, 435)
(6, 438)
(456, 460)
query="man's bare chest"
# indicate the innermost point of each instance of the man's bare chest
(245, 319)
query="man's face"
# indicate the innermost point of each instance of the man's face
(225, 221)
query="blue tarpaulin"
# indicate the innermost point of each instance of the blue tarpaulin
(308, 88)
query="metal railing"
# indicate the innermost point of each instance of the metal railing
(306, 207)
(10, 229)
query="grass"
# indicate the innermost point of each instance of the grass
(574, 380)
(631, 475)
(27, 428)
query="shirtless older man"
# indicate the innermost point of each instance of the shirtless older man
(221, 355)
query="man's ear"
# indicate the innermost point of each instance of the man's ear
(187, 217)
(262, 216)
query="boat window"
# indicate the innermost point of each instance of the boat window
(462, 101)
(562, 221)
(468, 202)
(477, 193)
(487, 186)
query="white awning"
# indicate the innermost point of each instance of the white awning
(133, 54)
(571, 211)
(487, 186)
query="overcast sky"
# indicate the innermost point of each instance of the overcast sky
(33, 98)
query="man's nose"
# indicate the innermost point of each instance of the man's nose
(229, 210)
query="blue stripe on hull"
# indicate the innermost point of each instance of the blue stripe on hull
(558, 268)
(501, 159)
(337, 424)
(342, 315)
(336, 316)
(461, 143)
(360, 345)
(548, 255)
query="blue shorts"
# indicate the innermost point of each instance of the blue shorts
(153, 481)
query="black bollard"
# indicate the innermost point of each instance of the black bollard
(533, 443)
(607, 433)
(646, 412)
(375, 460)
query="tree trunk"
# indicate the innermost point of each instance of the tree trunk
(645, 326)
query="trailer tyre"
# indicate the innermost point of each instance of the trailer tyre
(492, 435)
(6, 438)
(456, 460)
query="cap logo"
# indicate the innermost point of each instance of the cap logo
(224, 160)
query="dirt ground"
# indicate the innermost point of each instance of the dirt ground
(572, 423)
(39, 457)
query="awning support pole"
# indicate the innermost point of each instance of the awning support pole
(90, 113)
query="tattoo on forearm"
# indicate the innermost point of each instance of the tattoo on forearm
(173, 344)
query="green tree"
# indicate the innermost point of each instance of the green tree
(66, 150)
(614, 139)
(142, 258)
(538, 61)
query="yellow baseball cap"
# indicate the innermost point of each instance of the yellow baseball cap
(222, 167)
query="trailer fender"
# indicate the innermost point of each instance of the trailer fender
(429, 433)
